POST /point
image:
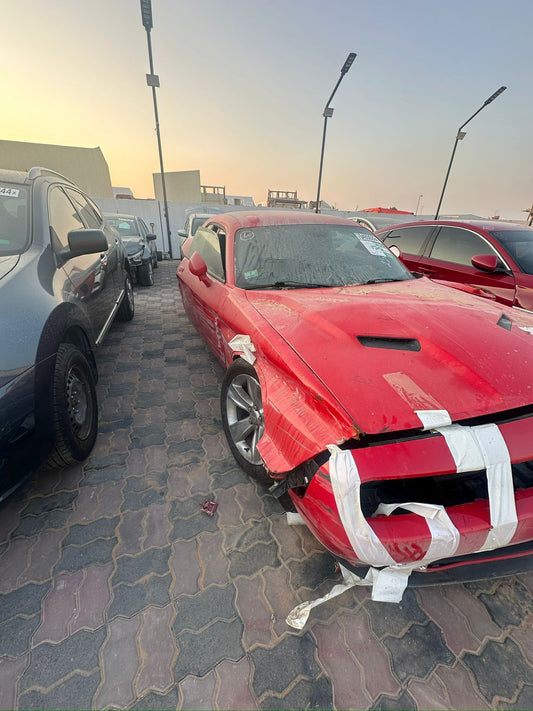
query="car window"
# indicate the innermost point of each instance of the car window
(63, 218)
(144, 228)
(14, 233)
(458, 246)
(206, 242)
(196, 223)
(410, 240)
(88, 214)
(519, 244)
(321, 255)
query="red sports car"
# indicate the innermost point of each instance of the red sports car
(395, 413)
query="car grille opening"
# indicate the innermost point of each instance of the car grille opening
(445, 490)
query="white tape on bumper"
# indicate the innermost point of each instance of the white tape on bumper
(243, 344)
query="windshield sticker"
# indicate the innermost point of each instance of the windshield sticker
(9, 192)
(5, 241)
(372, 243)
(246, 235)
(251, 275)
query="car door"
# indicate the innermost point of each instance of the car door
(86, 280)
(111, 261)
(204, 302)
(411, 242)
(449, 258)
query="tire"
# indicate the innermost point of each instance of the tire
(242, 417)
(126, 309)
(145, 274)
(74, 407)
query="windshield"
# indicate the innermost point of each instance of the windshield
(14, 232)
(126, 228)
(519, 244)
(309, 256)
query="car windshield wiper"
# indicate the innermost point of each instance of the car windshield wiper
(383, 280)
(289, 284)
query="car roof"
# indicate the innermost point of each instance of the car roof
(260, 218)
(13, 176)
(122, 215)
(486, 225)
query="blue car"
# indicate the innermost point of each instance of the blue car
(64, 277)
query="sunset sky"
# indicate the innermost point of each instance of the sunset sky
(244, 84)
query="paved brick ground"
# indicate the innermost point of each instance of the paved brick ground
(117, 591)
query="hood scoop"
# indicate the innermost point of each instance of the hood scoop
(389, 343)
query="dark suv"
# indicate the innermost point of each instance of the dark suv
(64, 276)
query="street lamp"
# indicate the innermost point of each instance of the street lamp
(460, 135)
(328, 113)
(153, 81)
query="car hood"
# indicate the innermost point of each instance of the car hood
(385, 351)
(132, 245)
(8, 263)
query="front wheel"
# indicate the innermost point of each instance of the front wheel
(242, 416)
(126, 309)
(74, 407)
(145, 274)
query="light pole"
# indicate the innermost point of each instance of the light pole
(328, 113)
(153, 81)
(460, 135)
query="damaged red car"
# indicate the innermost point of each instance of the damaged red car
(394, 412)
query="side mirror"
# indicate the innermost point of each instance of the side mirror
(486, 262)
(396, 251)
(84, 242)
(151, 237)
(198, 267)
(182, 233)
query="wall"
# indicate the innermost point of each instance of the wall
(86, 167)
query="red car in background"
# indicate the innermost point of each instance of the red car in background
(395, 413)
(494, 257)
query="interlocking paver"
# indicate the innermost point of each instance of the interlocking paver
(120, 663)
(197, 692)
(254, 611)
(118, 591)
(339, 663)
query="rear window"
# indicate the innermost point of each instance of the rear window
(14, 218)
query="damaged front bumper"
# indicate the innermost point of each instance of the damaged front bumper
(454, 502)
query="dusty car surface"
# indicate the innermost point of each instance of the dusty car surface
(365, 392)
(494, 257)
(139, 243)
(64, 276)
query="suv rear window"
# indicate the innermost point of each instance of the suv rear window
(14, 232)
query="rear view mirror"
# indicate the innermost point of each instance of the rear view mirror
(486, 262)
(396, 251)
(198, 267)
(86, 241)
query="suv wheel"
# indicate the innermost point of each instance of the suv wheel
(145, 274)
(127, 306)
(74, 407)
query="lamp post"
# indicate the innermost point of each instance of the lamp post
(460, 135)
(153, 81)
(328, 113)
